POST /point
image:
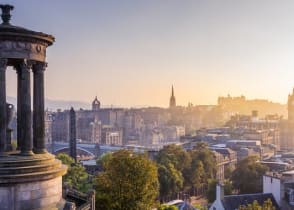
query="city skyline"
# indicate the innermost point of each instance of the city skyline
(130, 53)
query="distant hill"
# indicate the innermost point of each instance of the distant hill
(57, 104)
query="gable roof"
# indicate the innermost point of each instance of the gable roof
(232, 202)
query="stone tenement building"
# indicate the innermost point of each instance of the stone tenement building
(30, 177)
(89, 124)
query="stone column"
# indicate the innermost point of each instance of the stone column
(38, 113)
(18, 107)
(9, 116)
(3, 65)
(24, 103)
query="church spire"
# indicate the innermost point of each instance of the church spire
(95, 104)
(172, 100)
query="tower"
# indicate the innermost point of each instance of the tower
(172, 100)
(289, 143)
(291, 106)
(30, 177)
(73, 135)
(95, 104)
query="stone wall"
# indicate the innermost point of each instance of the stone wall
(34, 195)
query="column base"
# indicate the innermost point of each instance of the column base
(40, 151)
(8, 148)
(38, 195)
(26, 153)
(3, 154)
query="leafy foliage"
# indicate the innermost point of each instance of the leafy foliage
(170, 179)
(267, 205)
(128, 182)
(203, 166)
(247, 177)
(76, 176)
(164, 207)
(65, 159)
(180, 170)
(176, 155)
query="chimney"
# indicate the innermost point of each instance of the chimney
(219, 192)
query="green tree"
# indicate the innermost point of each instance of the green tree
(172, 161)
(194, 176)
(76, 176)
(104, 159)
(176, 155)
(129, 182)
(228, 172)
(164, 207)
(170, 179)
(267, 205)
(65, 159)
(247, 177)
(203, 166)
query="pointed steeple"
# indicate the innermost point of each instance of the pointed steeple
(95, 104)
(172, 100)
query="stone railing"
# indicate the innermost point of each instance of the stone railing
(78, 200)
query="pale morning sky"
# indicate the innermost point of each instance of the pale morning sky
(130, 52)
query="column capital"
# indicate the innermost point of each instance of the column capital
(39, 66)
(23, 65)
(3, 63)
(27, 64)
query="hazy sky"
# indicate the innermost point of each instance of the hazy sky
(130, 52)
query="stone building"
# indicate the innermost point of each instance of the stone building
(111, 135)
(48, 127)
(88, 126)
(60, 126)
(281, 185)
(152, 136)
(287, 126)
(172, 133)
(225, 159)
(132, 127)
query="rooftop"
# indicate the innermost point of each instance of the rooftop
(233, 202)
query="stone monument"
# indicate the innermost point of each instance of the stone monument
(30, 177)
(73, 135)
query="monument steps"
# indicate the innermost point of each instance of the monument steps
(25, 163)
(35, 176)
(30, 169)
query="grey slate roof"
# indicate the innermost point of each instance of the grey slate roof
(232, 202)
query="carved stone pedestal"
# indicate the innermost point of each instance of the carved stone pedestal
(31, 183)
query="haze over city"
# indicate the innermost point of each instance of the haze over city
(149, 105)
(130, 52)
